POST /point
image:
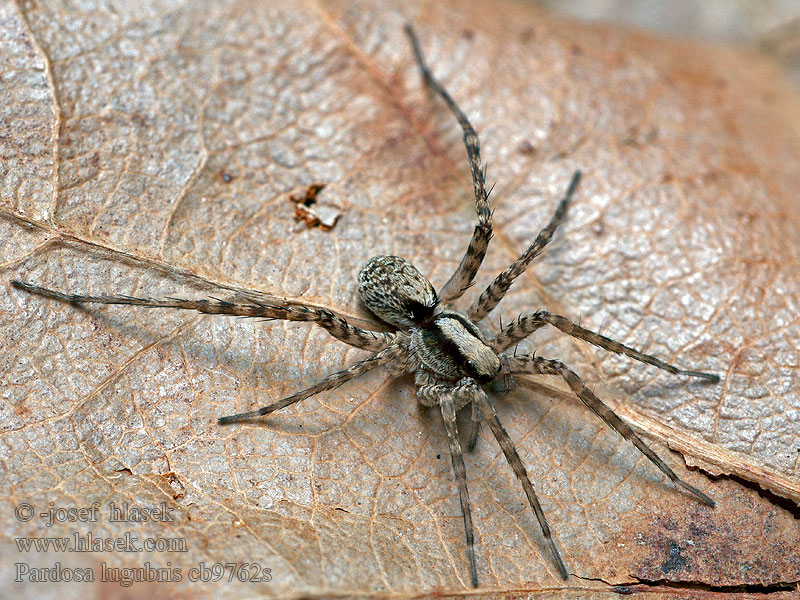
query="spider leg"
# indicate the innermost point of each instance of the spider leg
(448, 410)
(474, 427)
(512, 456)
(431, 393)
(543, 366)
(498, 288)
(527, 324)
(471, 262)
(334, 324)
(330, 382)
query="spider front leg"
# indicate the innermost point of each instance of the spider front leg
(489, 415)
(472, 259)
(474, 427)
(448, 409)
(498, 288)
(543, 366)
(431, 393)
(430, 390)
(250, 307)
(525, 325)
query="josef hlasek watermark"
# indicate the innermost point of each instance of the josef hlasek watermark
(84, 540)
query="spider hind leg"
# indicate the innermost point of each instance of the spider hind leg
(495, 292)
(244, 307)
(460, 281)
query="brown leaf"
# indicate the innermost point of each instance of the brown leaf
(154, 151)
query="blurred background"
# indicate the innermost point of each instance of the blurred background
(770, 25)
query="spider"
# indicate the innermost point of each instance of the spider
(452, 361)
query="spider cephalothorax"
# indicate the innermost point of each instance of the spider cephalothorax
(450, 358)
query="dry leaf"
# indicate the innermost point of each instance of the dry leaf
(151, 150)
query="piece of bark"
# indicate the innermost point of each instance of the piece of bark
(150, 151)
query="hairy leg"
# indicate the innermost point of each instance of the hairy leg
(512, 456)
(450, 398)
(498, 288)
(448, 409)
(471, 262)
(430, 389)
(334, 324)
(543, 366)
(525, 325)
(330, 382)
(474, 427)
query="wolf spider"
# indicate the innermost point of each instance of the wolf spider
(450, 358)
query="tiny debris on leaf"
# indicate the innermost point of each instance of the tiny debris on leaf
(313, 211)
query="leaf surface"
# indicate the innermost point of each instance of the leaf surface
(159, 150)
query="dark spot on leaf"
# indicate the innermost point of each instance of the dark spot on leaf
(639, 138)
(526, 148)
(675, 562)
(623, 589)
(225, 176)
(527, 36)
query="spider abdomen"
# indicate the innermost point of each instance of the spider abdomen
(394, 290)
